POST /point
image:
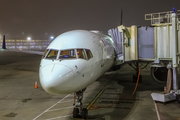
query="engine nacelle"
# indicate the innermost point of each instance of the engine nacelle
(159, 74)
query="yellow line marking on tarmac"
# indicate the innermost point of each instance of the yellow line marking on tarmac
(97, 96)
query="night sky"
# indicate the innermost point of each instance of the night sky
(40, 19)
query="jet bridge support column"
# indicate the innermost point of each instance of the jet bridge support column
(176, 90)
(175, 79)
(175, 56)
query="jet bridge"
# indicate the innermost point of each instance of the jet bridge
(158, 44)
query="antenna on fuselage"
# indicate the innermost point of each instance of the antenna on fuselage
(121, 16)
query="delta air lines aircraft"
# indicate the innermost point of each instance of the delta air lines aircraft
(73, 61)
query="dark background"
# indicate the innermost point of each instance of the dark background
(40, 19)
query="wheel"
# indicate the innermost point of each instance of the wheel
(75, 113)
(84, 113)
(178, 98)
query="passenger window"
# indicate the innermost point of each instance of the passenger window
(45, 53)
(89, 54)
(81, 54)
(66, 54)
(52, 54)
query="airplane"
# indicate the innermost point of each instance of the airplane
(73, 61)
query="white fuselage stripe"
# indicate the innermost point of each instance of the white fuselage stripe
(51, 107)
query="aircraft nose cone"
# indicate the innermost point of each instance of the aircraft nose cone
(56, 79)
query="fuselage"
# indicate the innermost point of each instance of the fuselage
(74, 60)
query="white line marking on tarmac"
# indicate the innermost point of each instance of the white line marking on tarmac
(60, 109)
(67, 101)
(59, 117)
(157, 111)
(51, 107)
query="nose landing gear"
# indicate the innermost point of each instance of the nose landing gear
(79, 111)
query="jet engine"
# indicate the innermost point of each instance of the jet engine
(159, 74)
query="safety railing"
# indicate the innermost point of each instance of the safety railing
(161, 18)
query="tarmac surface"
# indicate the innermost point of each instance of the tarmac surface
(19, 100)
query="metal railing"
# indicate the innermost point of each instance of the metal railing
(161, 18)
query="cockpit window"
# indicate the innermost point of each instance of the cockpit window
(52, 54)
(45, 53)
(88, 53)
(81, 54)
(67, 54)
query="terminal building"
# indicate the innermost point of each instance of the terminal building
(20, 44)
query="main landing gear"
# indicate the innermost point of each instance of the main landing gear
(79, 111)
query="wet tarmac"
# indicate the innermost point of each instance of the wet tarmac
(19, 100)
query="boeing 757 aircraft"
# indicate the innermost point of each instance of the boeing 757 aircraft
(73, 61)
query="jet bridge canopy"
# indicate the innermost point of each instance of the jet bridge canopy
(117, 38)
(133, 43)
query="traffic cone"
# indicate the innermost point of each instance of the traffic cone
(36, 85)
(164, 89)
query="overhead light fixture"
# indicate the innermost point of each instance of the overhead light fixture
(28, 38)
(52, 37)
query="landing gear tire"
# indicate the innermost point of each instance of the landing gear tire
(178, 98)
(75, 113)
(84, 113)
(79, 111)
